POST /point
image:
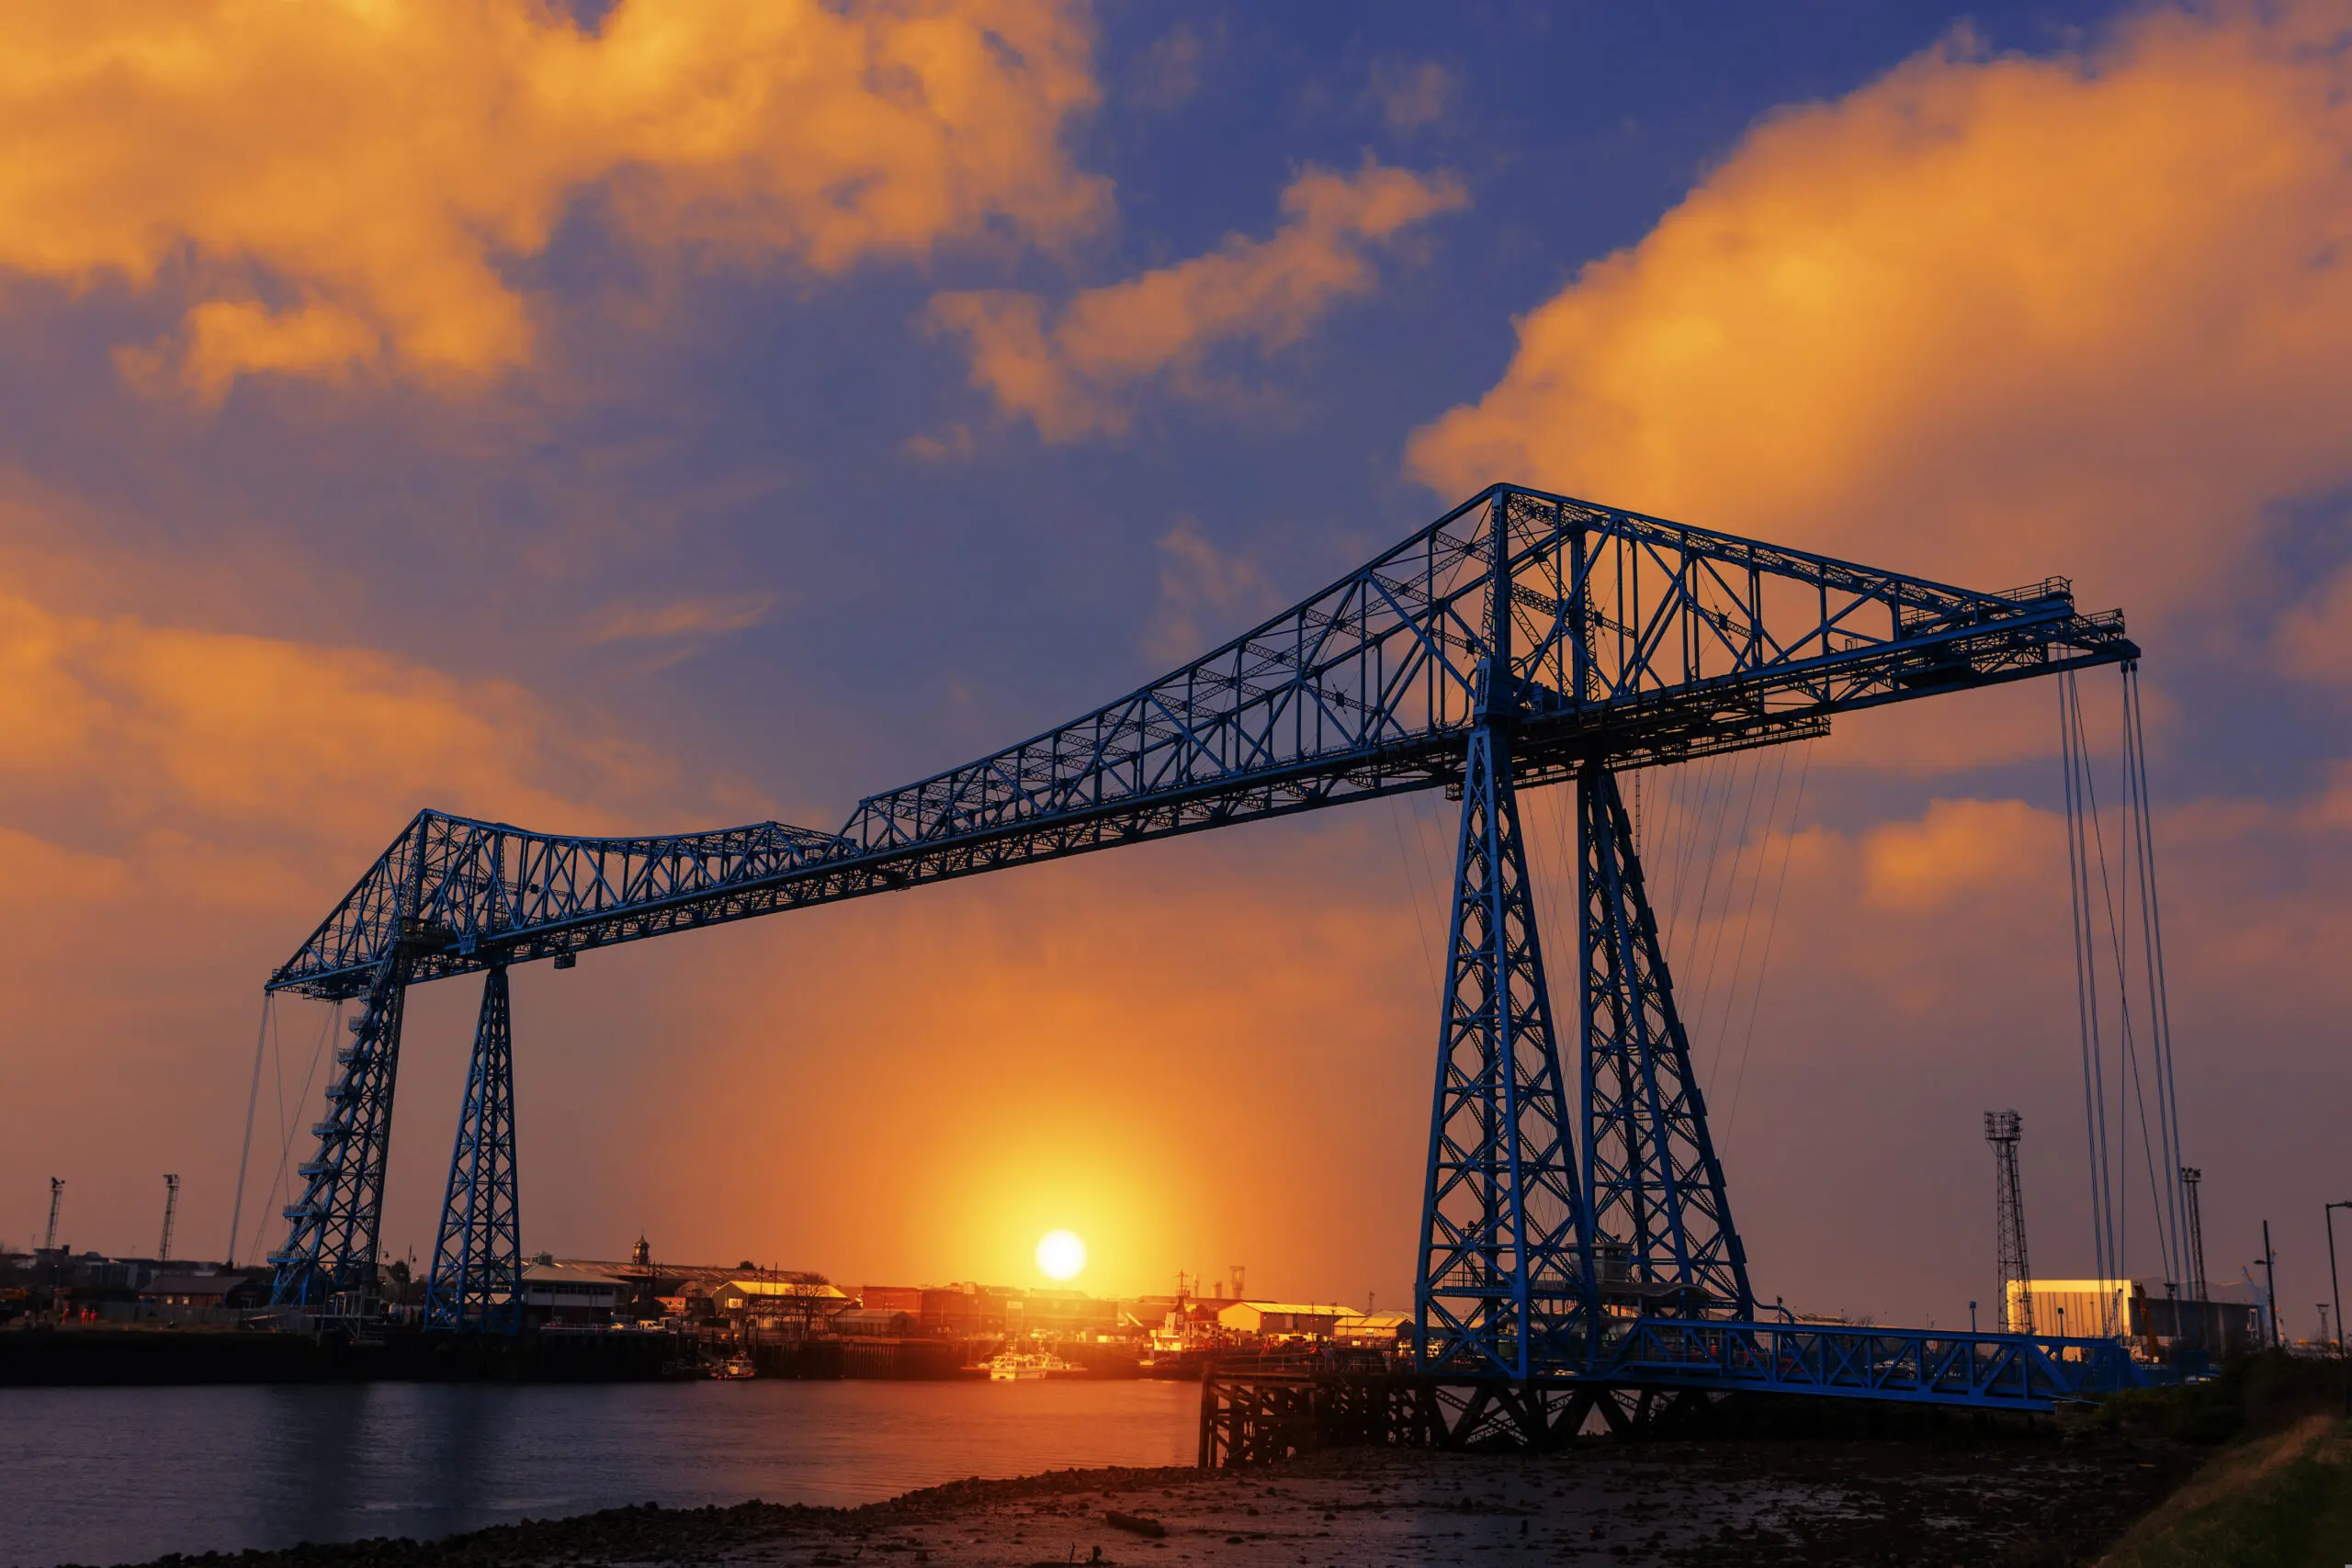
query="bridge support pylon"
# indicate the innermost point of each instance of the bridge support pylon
(1505, 1248)
(331, 1232)
(477, 1280)
(1652, 1183)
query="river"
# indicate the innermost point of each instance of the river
(123, 1475)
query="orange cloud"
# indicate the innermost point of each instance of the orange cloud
(1066, 375)
(1205, 594)
(1958, 848)
(342, 183)
(1984, 319)
(713, 617)
(112, 729)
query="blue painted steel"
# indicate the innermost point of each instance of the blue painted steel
(477, 1281)
(331, 1240)
(1993, 1372)
(1523, 638)
(1506, 1255)
(1630, 638)
(1655, 1189)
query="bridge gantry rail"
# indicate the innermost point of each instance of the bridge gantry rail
(1523, 638)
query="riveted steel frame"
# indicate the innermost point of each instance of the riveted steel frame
(1504, 1253)
(477, 1280)
(1651, 1177)
(332, 1230)
(1521, 639)
(1631, 638)
(2015, 1371)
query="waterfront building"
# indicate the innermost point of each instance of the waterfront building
(1283, 1320)
(567, 1293)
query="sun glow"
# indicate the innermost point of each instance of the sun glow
(1060, 1255)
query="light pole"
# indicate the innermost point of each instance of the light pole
(2270, 1291)
(2334, 1289)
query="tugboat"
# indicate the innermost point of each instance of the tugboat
(738, 1365)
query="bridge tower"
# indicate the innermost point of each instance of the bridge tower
(477, 1281)
(1531, 1224)
(332, 1230)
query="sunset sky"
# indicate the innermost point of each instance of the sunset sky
(672, 413)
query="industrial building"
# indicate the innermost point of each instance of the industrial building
(2156, 1325)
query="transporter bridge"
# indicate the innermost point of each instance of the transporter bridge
(1577, 1238)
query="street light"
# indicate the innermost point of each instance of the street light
(2333, 1288)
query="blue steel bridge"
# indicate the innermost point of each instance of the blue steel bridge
(1577, 1237)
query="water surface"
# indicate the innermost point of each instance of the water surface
(117, 1475)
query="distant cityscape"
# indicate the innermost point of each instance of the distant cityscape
(779, 1321)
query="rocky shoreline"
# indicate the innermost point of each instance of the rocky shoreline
(2010, 1500)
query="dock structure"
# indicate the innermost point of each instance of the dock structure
(1260, 1409)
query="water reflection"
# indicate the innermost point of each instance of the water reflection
(113, 1475)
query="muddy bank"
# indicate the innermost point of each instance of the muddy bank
(2022, 1501)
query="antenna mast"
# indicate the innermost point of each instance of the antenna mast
(2015, 1286)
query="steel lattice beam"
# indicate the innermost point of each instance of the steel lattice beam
(1632, 640)
(477, 1280)
(1521, 639)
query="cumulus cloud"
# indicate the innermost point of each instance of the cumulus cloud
(1206, 593)
(1986, 319)
(113, 728)
(342, 183)
(1960, 847)
(1066, 370)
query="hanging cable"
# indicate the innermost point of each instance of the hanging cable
(1747, 919)
(2085, 974)
(1413, 894)
(2152, 950)
(253, 1100)
(1772, 927)
(1706, 997)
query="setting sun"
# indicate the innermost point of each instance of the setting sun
(1060, 1255)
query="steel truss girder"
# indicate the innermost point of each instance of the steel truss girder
(1990, 1371)
(477, 1280)
(1621, 636)
(1654, 1187)
(331, 1243)
(1506, 1255)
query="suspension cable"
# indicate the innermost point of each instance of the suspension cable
(253, 1100)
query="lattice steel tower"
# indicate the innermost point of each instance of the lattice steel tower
(2015, 1285)
(477, 1257)
(1520, 642)
(2189, 1177)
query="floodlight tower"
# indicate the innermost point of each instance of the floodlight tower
(2189, 1177)
(2015, 1285)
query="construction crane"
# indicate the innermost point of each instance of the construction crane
(56, 1196)
(2015, 1288)
(1522, 639)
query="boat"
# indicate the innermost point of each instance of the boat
(736, 1366)
(1022, 1366)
